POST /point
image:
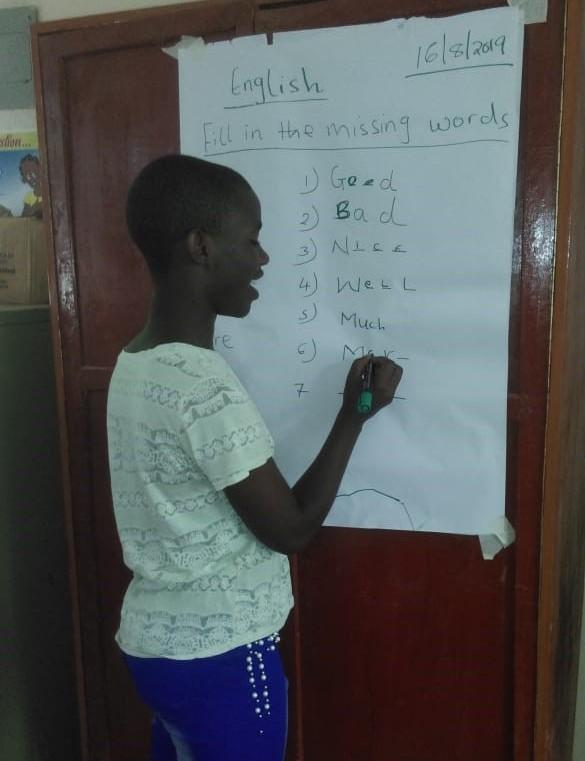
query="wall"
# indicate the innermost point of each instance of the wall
(49, 10)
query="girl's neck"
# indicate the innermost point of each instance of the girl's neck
(176, 316)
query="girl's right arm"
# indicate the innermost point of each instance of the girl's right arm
(286, 519)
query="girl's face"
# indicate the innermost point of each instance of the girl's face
(237, 257)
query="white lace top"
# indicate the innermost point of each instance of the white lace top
(180, 429)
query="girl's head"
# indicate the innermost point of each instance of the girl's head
(199, 223)
(174, 195)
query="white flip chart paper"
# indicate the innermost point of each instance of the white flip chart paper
(384, 156)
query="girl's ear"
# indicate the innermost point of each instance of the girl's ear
(198, 248)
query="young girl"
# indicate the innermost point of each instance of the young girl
(205, 518)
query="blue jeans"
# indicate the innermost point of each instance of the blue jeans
(228, 707)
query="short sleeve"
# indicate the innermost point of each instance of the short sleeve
(226, 433)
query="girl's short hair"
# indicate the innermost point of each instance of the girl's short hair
(174, 195)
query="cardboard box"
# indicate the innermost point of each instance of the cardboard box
(23, 261)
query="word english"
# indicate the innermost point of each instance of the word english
(268, 87)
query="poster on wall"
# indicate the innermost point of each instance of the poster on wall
(384, 156)
(20, 175)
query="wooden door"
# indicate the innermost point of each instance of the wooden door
(402, 646)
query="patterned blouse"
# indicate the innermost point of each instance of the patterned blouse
(181, 428)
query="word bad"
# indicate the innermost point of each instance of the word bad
(344, 210)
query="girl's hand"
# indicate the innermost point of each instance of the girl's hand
(386, 376)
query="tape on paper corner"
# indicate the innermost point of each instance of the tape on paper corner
(500, 535)
(535, 11)
(194, 44)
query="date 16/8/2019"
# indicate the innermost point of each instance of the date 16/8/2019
(446, 52)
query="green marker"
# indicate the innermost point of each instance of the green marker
(364, 404)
